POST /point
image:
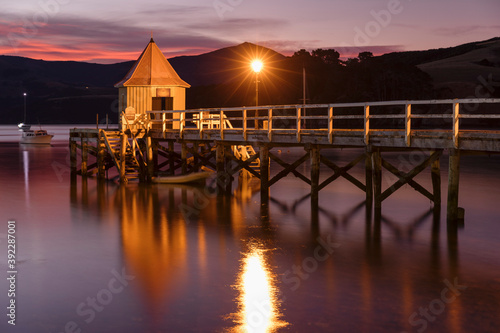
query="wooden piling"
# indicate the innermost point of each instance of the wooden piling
(196, 158)
(72, 156)
(149, 148)
(264, 175)
(171, 158)
(156, 146)
(453, 184)
(85, 156)
(315, 166)
(377, 180)
(184, 152)
(436, 181)
(101, 158)
(85, 191)
(220, 168)
(369, 178)
(229, 177)
(123, 151)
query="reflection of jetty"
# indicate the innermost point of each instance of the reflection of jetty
(229, 140)
(170, 254)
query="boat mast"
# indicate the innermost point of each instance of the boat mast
(24, 120)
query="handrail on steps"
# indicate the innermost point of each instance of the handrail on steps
(134, 141)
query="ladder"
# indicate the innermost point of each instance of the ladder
(113, 140)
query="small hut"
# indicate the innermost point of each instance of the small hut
(151, 85)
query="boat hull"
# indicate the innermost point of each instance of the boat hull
(182, 179)
(37, 140)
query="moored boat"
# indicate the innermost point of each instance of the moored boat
(36, 137)
(181, 179)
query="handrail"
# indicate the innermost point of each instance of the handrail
(341, 105)
(108, 145)
(135, 142)
(297, 117)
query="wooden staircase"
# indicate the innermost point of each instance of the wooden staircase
(132, 169)
(244, 153)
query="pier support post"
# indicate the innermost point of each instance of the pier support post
(369, 179)
(85, 192)
(315, 166)
(220, 168)
(72, 156)
(101, 157)
(436, 181)
(85, 156)
(171, 158)
(184, 152)
(123, 151)
(196, 153)
(156, 146)
(377, 180)
(453, 182)
(149, 148)
(264, 175)
(229, 178)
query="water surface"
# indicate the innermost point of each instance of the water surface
(102, 257)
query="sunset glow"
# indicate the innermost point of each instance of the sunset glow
(61, 30)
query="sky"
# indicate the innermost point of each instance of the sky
(110, 31)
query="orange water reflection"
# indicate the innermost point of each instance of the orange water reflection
(258, 303)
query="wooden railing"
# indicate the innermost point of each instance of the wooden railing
(135, 145)
(321, 119)
(111, 150)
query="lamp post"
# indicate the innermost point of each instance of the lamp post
(257, 67)
(24, 95)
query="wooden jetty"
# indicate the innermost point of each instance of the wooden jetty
(157, 137)
(227, 141)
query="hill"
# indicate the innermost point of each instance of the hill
(458, 71)
(74, 92)
(223, 65)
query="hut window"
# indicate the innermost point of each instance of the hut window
(163, 92)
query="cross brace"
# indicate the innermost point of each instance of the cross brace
(342, 172)
(289, 168)
(407, 178)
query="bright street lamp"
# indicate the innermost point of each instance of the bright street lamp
(257, 67)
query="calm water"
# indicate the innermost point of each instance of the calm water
(155, 258)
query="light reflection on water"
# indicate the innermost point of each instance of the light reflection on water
(259, 307)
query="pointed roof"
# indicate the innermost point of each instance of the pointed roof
(152, 69)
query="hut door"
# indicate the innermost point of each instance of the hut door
(164, 104)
